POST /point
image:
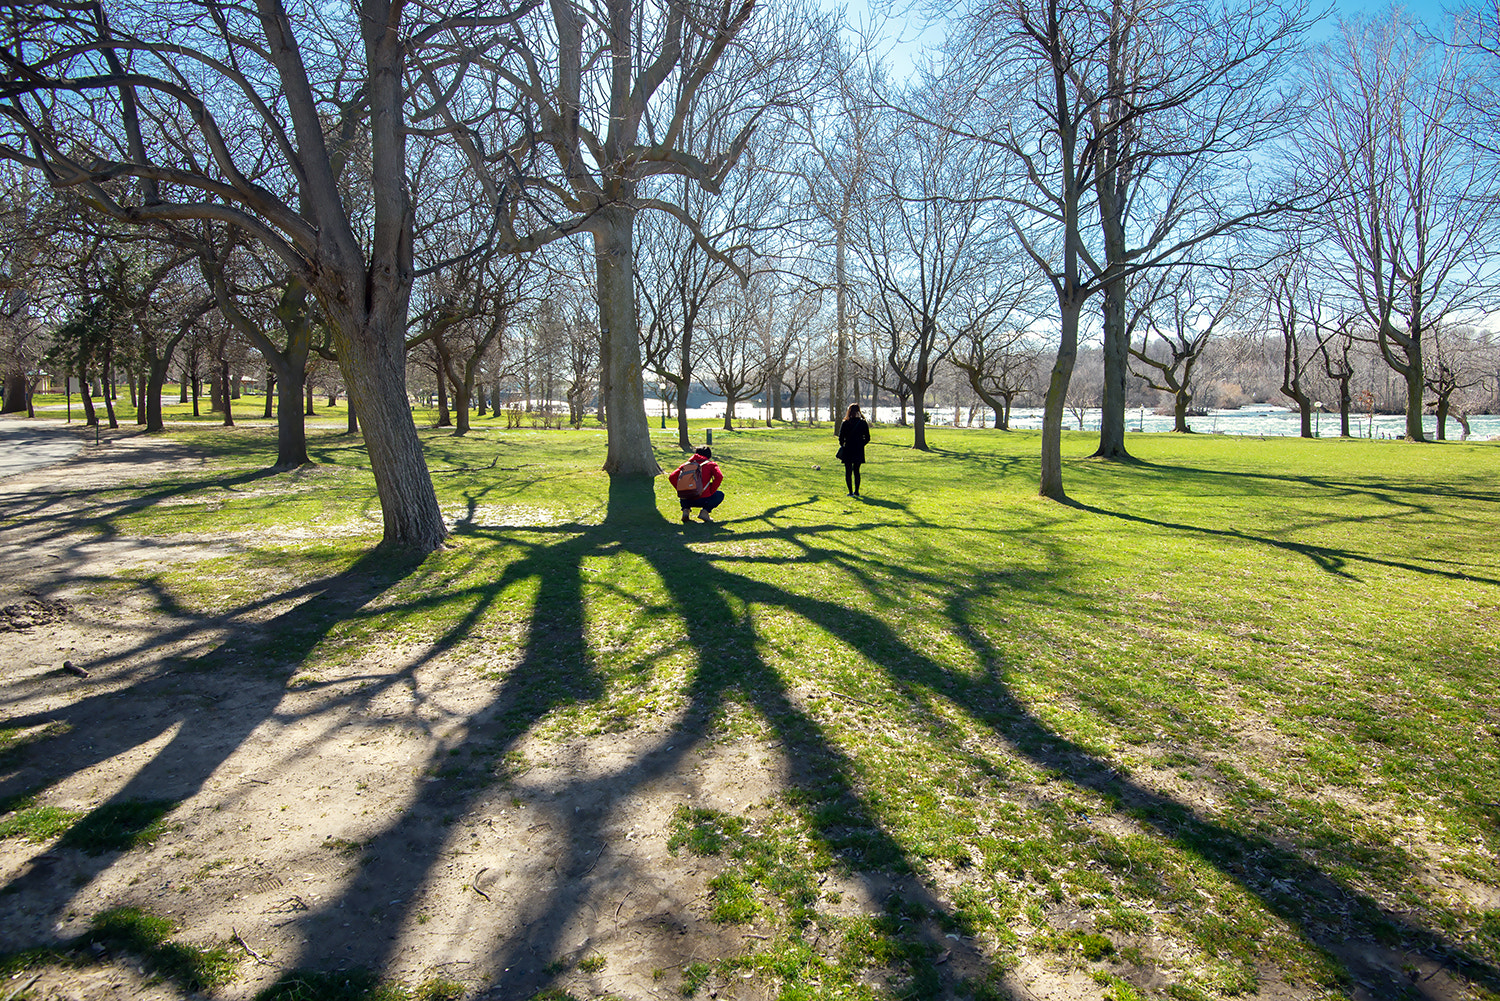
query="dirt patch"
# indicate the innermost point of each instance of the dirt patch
(31, 611)
(372, 817)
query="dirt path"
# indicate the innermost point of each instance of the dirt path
(321, 825)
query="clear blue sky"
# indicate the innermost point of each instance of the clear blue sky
(906, 33)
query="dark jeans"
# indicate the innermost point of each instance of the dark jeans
(708, 503)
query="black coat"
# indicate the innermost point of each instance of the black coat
(853, 436)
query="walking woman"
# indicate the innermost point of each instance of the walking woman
(853, 436)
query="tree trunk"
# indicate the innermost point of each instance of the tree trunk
(1415, 389)
(1345, 405)
(1180, 401)
(374, 365)
(224, 391)
(86, 397)
(461, 408)
(270, 392)
(156, 384)
(109, 403)
(1116, 352)
(682, 420)
(307, 396)
(291, 426)
(444, 417)
(15, 393)
(1057, 400)
(919, 419)
(630, 453)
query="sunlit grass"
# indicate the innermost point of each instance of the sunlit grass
(1163, 710)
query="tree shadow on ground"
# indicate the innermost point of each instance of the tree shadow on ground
(556, 668)
(1331, 559)
(146, 709)
(1368, 942)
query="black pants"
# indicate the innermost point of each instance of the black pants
(708, 503)
(851, 476)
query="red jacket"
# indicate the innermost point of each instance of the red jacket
(713, 475)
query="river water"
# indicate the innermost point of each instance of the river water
(1261, 420)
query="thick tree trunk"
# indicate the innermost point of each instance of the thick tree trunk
(1057, 400)
(374, 365)
(1415, 389)
(291, 423)
(1345, 405)
(1116, 352)
(461, 408)
(1180, 401)
(307, 396)
(270, 392)
(15, 392)
(630, 452)
(155, 384)
(919, 419)
(682, 389)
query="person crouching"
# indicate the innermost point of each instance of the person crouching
(697, 483)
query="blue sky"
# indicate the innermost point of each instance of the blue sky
(907, 34)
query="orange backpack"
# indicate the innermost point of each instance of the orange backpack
(690, 478)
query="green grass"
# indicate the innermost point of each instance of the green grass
(1236, 698)
(147, 938)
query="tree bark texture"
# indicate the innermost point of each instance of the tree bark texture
(630, 452)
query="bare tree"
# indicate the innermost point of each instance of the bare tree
(1176, 93)
(1183, 308)
(1295, 309)
(838, 132)
(611, 89)
(1453, 370)
(1000, 364)
(927, 248)
(247, 115)
(1115, 118)
(732, 355)
(1412, 235)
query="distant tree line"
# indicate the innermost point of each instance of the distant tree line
(1104, 204)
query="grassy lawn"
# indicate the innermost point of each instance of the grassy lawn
(1227, 721)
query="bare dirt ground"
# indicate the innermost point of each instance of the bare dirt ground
(325, 824)
(316, 825)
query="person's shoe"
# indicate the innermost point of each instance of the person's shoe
(703, 516)
(686, 517)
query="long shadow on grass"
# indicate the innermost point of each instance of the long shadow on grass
(1357, 931)
(1331, 559)
(1410, 496)
(155, 707)
(556, 669)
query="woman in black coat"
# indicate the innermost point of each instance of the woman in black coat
(853, 436)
